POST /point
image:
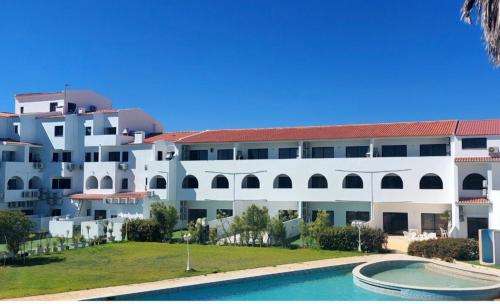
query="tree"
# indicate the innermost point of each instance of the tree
(237, 228)
(321, 223)
(256, 221)
(14, 229)
(276, 232)
(489, 12)
(166, 217)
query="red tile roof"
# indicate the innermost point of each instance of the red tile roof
(473, 200)
(170, 136)
(402, 129)
(478, 127)
(85, 196)
(478, 159)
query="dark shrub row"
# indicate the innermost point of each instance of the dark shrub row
(141, 230)
(346, 238)
(447, 249)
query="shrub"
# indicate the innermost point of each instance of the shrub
(14, 229)
(345, 238)
(166, 217)
(277, 232)
(447, 249)
(141, 230)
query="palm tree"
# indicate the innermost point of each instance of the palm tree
(489, 10)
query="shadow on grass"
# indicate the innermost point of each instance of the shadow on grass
(34, 261)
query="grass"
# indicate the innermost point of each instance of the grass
(476, 262)
(127, 263)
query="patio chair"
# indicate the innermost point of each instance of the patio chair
(444, 233)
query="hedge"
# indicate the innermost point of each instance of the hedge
(345, 238)
(141, 230)
(447, 249)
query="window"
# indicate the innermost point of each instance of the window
(317, 181)
(125, 156)
(88, 131)
(114, 156)
(473, 181)
(22, 110)
(61, 183)
(110, 131)
(107, 182)
(284, 153)
(323, 152)
(96, 156)
(91, 183)
(433, 150)
(55, 157)
(431, 181)
(257, 153)
(88, 157)
(432, 222)
(16, 129)
(53, 107)
(15, 183)
(224, 212)
(250, 182)
(8, 156)
(394, 151)
(331, 216)
(58, 131)
(55, 212)
(190, 182)
(352, 181)
(124, 183)
(356, 151)
(220, 182)
(392, 181)
(158, 182)
(159, 155)
(474, 143)
(282, 181)
(351, 216)
(66, 157)
(71, 107)
(225, 154)
(198, 155)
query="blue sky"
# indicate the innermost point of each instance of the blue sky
(255, 63)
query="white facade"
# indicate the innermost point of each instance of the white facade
(71, 154)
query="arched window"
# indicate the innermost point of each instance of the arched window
(352, 181)
(91, 183)
(220, 182)
(107, 182)
(282, 181)
(35, 183)
(158, 182)
(317, 181)
(250, 182)
(190, 182)
(431, 181)
(392, 181)
(15, 183)
(473, 181)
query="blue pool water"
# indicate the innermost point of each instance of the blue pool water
(326, 284)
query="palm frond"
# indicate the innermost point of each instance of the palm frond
(489, 12)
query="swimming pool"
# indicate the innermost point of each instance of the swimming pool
(332, 284)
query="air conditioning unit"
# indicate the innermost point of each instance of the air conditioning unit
(123, 166)
(494, 151)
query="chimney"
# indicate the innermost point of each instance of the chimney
(139, 137)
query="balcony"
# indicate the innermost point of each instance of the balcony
(107, 140)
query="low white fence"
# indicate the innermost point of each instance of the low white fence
(63, 226)
(222, 225)
(292, 228)
(93, 229)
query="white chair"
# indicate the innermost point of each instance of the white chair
(444, 233)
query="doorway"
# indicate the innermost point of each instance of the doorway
(474, 224)
(99, 214)
(395, 223)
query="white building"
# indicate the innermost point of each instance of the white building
(71, 154)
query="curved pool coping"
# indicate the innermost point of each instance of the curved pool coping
(429, 293)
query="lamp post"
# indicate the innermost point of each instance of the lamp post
(187, 238)
(358, 224)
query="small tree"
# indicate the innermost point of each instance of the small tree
(256, 220)
(14, 228)
(306, 234)
(237, 228)
(276, 232)
(166, 217)
(321, 223)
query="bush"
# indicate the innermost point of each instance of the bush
(277, 232)
(446, 249)
(141, 230)
(166, 217)
(345, 238)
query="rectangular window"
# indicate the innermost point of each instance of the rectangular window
(432, 222)
(225, 212)
(284, 153)
(125, 156)
(58, 131)
(88, 157)
(356, 151)
(433, 150)
(225, 154)
(257, 154)
(198, 155)
(88, 131)
(323, 152)
(61, 183)
(351, 216)
(125, 184)
(66, 157)
(55, 212)
(53, 106)
(55, 157)
(16, 129)
(394, 151)
(8, 156)
(114, 156)
(22, 110)
(331, 216)
(159, 155)
(474, 143)
(110, 131)
(96, 157)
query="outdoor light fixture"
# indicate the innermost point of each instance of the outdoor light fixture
(359, 225)
(187, 238)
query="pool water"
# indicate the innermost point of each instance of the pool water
(332, 284)
(417, 274)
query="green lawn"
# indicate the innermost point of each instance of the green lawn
(476, 262)
(125, 263)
